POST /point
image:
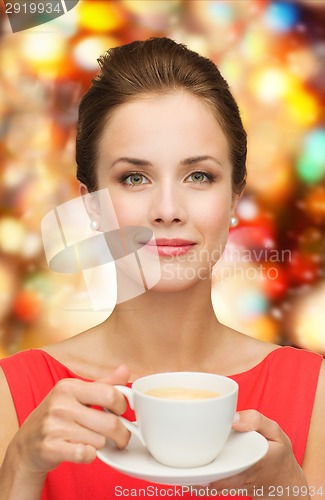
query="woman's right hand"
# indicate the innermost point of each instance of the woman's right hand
(64, 427)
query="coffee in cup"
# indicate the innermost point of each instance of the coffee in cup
(181, 393)
(182, 431)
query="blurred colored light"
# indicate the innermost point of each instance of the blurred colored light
(302, 269)
(302, 106)
(221, 12)
(252, 304)
(251, 243)
(87, 51)
(27, 306)
(304, 63)
(309, 170)
(308, 323)
(3, 352)
(312, 241)
(315, 145)
(276, 281)
(198, 44)
(12, 234)
(237, 294)
(255, 45)
(157, 15)
(232, 70)
(45, 49)
(100, 16)
(7, 287)
(40, 283)
(139, 7)
(14, 175)
(145, 7)
(315, 204)
(271, 177)
(247, 209)
(281, 16)
(32, 246)
(26, 139)
(263, 328)
(272, 84)
(67, 24)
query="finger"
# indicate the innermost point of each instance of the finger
(76, 452)
(252, 420)
(79, 434)
(55, 451)
(83, 453)
(103, 424)
(115, 431)
(88, 393)
(246, 479)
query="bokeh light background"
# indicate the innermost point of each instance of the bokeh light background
(271, 282)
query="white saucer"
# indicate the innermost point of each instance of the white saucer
(241, 451)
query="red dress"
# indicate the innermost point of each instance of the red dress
(282, 387)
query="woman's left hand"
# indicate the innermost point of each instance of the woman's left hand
(277, 468)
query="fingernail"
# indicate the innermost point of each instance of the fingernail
(236, 418)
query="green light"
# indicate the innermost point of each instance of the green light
(311, 164)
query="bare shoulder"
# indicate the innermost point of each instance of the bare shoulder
(8, 417)
(314, 460)
(83, 354)
(71, 346)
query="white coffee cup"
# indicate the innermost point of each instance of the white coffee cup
(182, 432)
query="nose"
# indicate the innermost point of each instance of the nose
(167, 206)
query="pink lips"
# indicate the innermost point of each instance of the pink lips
(170, 246)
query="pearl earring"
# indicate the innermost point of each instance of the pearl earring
(94, 224)
(233, 221)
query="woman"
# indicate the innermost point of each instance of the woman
(160, 130)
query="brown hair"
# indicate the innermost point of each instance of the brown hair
(157, 65)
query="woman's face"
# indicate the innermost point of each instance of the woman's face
(165, 162)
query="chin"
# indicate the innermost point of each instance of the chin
(163, 287)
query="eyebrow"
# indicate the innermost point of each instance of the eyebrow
(187, 161)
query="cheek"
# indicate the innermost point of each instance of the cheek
(128, 213)
(216, 236)
(214, 217)
(214, 228)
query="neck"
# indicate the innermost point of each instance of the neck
(164, 331)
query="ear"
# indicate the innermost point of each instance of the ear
(90, 201)
(235, 199)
